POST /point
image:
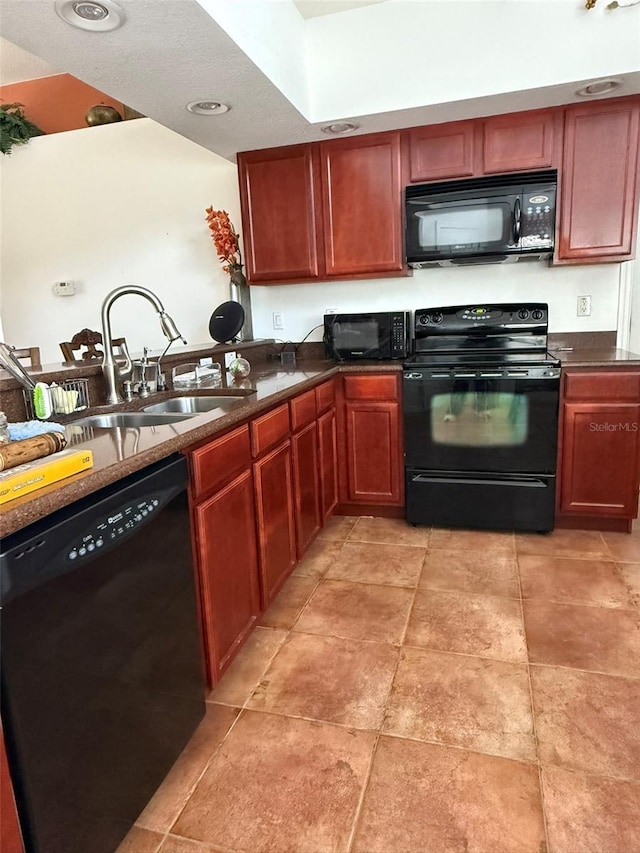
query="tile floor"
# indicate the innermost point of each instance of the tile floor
(415, 690)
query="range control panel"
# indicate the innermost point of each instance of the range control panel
(529, 318)
(120, 524)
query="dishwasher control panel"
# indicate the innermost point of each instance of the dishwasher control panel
(115, 526)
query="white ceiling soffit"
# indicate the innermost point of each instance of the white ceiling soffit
(17, 65)
(392, 64)
(315, 8)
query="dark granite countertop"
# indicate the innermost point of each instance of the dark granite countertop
(120, 451)
(584, 357)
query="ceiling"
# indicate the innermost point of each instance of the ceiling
(288, 70)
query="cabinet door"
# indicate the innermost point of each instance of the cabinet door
(374, 467)
(519, 141)
(442, 151)
(599, 468)
(599, 192)
(328, 452)
(361, 202)
(306, 484)
(275, 516)
(228, 567)
(280, 203)
(10, 834)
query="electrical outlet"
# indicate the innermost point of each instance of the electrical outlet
(64, 288)
(229, 358)
(278, 320)
(584, 306)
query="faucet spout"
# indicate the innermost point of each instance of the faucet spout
(112, 372)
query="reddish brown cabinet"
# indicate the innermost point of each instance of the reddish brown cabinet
(328, 463)
(306, 477)
(441, 151)
(373, 460)
(599, 189)
(275, 518)
(10, 834)
(279, 193)
(599, 445)
(520, 141)
(224, 531)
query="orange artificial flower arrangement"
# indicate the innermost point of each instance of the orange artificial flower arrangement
(225, 239)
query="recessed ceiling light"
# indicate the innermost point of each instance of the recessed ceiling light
(598, 87)
(96, 15)
(208, 108)
(340, 127)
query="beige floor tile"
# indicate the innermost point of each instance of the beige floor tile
(484, 541)
(602, 639)
(176, 844)
(329, 679)
(139, 840)
(285, 609)
(280, 785)
(357, 611)
(462, 701)
(596, 582)
(397, 565)
(424, 798)
(389, 531)
(318, 558)
(586, 721)
(590, 814)
(168, 801)
(623, 547)
(338, 527)
(244, 673)
(483, 571)
(587, 544)
(484, 625)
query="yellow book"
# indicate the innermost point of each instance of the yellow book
(34, 475)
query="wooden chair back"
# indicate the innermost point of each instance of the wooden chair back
(72, 350)
(29, 354)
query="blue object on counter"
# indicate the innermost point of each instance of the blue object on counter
(27, 429)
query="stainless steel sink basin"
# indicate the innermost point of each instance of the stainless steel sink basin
(130, 419)
(195, 405)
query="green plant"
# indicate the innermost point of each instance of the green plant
(15, 127)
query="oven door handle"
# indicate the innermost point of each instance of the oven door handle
(531, 483)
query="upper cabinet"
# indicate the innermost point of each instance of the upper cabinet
(313, 212)
(442, 151)
(599, 182)
(520, 141)
(279, 193)
(330, 210)
(361, 204)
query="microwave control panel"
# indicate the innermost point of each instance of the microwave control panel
(538, 220)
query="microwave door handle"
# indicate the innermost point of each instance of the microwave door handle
(517, 213)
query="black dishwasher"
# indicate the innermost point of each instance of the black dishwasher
(101, 665)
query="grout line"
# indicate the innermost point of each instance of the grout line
(585, 671)
(365, 788)
(520, 663)
(529, 762)
(533, 712)
(578, 772)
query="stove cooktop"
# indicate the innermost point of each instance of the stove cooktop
(480, 358)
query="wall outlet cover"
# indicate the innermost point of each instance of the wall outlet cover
(64, 288)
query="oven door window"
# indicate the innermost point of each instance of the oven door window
(479, 417)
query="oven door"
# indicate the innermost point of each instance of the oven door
(475, 421)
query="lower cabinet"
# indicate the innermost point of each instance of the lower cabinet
(599, 452)
(10, 834)
(225, 545)
(275, 516)
(328, 463)
(306, 482)
(372, 470)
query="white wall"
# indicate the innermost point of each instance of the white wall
(303, 305)
(105, 206)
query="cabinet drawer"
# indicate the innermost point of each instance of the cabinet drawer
(220, 461)
(623, 386)
(371, 387)
(303, 410)
(269, 430)
(325, 396)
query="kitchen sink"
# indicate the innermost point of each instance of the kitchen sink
(130, 419)
(195, 405)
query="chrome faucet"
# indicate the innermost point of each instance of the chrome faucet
(112, 372)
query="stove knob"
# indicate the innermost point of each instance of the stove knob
(537, 314)
(436, 318)
(523, 314)
(424, 319)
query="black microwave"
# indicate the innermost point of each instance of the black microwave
(485, 220)
(381, 335)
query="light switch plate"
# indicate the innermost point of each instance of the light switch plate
(229, 357)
